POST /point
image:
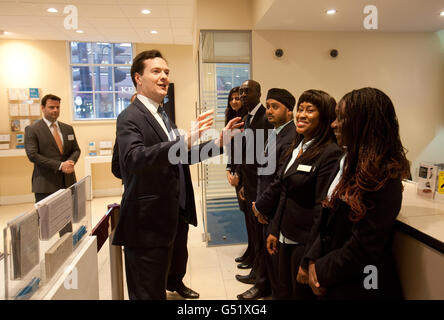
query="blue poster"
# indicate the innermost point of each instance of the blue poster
(34, 93)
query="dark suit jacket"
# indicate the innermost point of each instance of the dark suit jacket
(150, 203)
(342, 249)
(269, 187)
(248, 171)
(302, 194)
(42, 150)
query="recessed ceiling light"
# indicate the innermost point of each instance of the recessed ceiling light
(52, 10)
(146, 11)
(154, 32)
(331, 11)
(79, 31)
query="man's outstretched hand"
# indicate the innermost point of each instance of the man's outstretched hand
(202, 124)
(230, 130)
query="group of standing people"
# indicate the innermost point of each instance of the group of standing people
(316, 221)
(327, 211)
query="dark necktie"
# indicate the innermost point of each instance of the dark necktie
(182, 185)
(247, 122)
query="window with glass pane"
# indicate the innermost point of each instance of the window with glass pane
(101, 79)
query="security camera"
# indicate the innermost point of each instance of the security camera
(279, 53)
(334, 53)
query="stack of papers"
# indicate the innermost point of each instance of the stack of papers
(55, 212)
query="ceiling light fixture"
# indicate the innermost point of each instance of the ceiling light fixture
(331, 12)
(154, 32)
(52, 10)
(146, 11)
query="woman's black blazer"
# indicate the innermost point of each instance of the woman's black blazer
(343, 249)
(302, 194)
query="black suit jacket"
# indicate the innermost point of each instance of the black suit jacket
(269, 187)
(42, 150)
(302, 194)
(150, 203)
(247, 172)
(342, 249)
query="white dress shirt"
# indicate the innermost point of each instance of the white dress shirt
(304, 146)
(49, 124)
(152, 107)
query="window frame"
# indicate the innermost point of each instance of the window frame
(77, 120)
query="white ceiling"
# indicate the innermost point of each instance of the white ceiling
(101, 20)
(122, 21)
(393, 15)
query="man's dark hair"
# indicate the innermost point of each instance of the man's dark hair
(49, 97)
(139, 62)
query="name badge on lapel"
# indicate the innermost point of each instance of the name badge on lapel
(304, 168)
(70, 137)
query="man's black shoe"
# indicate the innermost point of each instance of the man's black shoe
(251, 294)
(185, 292)
(239, 259)
(246, 279)
(244, 266)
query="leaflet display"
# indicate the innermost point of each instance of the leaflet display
(24, 244)
(55, 212)
(79, 200)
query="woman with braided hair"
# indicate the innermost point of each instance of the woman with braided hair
(355, 231)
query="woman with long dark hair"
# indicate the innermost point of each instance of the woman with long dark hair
(235, 109)
(303, 178)
(351, 256)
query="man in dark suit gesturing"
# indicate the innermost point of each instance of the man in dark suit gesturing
(158, 188)
(52, 146)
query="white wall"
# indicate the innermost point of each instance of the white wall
(408, 67)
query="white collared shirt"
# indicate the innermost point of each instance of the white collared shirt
(253, 112)
(338, 177)
(49, 123)
(296, 151)
(304, 146)
(275, 133)
(152, 106)
(279, 129)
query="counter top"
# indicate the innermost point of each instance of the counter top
(422, 218)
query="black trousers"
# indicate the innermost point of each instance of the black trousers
(179, 259)
(247, 256)
(146, 272)
(272, 266)
(290, 256)
(40, 196)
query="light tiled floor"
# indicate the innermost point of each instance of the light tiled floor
(210, 271)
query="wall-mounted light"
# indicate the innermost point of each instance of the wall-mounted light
(80, 31)
(145, 11)
(442, 14)
(331, 12)
(154, 32)
(52, 10)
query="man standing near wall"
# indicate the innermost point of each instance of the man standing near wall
(52, 146)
